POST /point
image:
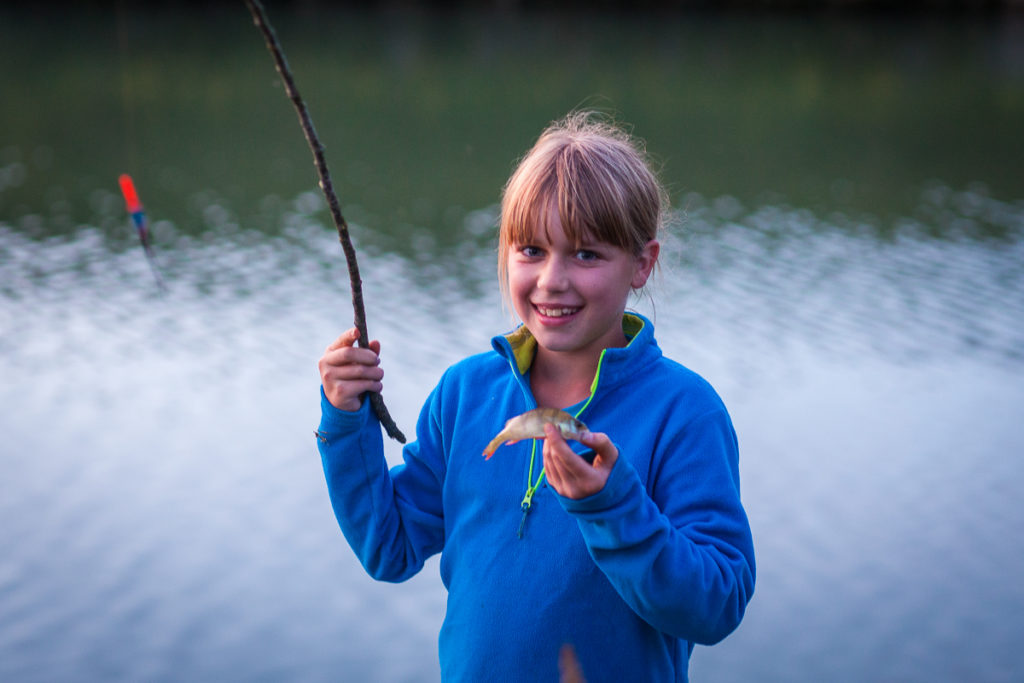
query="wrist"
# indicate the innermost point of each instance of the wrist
(338, 419)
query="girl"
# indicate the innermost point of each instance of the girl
(632, 559)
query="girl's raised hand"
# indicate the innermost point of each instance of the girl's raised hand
(571, 475)
(348, 371)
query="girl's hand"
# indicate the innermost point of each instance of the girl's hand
(571, 475)
(347, 371)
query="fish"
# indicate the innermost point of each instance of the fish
(530, 425)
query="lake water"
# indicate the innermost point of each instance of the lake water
(846, 267)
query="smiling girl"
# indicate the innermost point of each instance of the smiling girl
(631, 559)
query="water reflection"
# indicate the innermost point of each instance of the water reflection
(896, 289)
(162, 496)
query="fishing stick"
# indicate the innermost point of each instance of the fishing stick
(260, 19)
(134, 206)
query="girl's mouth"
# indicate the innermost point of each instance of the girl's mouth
(549, 311)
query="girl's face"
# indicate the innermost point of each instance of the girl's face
(572, 298)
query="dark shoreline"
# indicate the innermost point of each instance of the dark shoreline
(846, 7)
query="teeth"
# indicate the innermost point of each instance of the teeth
(556, 312)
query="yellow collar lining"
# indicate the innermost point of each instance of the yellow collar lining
(524, 346)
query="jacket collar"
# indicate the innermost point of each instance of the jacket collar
(616, 364)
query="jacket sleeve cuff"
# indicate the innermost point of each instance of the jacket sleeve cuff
(334, 420)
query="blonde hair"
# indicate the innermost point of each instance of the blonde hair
(598, 177)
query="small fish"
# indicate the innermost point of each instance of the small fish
(530, 425)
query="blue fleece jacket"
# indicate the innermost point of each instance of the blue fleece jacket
(632, 576)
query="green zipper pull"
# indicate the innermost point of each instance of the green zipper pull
(528, 502)
(531, 488)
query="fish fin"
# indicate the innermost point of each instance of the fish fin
(498, 442)
(491, 447)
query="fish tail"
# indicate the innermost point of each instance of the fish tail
(494, 444)
(491, 447)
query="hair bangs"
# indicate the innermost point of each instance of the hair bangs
(591, 205)
(529, 209)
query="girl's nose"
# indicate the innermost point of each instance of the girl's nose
(554, 276)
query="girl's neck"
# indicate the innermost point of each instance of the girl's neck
(560, 380)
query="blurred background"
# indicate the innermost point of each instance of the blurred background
(845, 264)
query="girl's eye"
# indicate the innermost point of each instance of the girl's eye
(587, 255)
(529, 251)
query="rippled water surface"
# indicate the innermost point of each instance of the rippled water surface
(164, 512)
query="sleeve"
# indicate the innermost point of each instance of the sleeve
(393, 519)
(680, 555)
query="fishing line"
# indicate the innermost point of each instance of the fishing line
(127, 86)
(131, 197)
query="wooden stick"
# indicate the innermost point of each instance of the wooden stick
(260, 19)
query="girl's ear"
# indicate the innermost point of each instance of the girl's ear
(645, 263)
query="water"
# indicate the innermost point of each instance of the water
(164, 513)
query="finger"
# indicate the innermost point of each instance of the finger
(345, 384)
(347, 338)
(360, 387)
(563, 476)
(351, 372)
(552, 435)
(373, 344)
(348, 396)
(565, 464)
(347, 355)
(560, 447)
(569, 474)
(606, 451)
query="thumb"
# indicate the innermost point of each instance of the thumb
(606, 451)
(347, 338)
